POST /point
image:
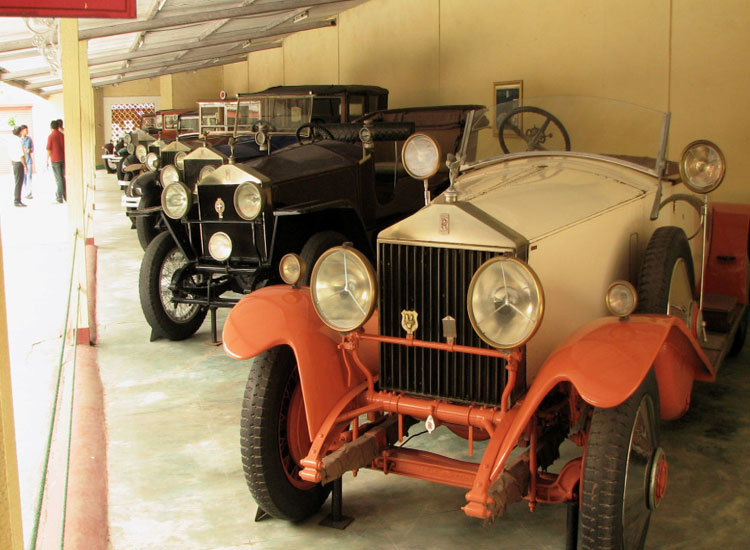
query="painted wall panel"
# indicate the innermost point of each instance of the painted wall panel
(265, 69)
(311, 57)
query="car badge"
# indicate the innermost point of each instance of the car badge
(409, 321)
(219, 207)
(445, 224)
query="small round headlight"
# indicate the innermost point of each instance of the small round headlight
(169, 174)
(260, 137)
(621, 298)
(127, 139)
(505, 302)
(175, 200)
(702, 166)
(421, 156)
(179, 160)
(343, 288)
(141, 153)
(206, 170)
(292, 269)
(220, 246)
(152, 161)
(248, 201)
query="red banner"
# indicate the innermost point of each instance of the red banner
(122, 9)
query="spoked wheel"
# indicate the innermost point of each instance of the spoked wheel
(146, 227)
(161, 275)
(540, 130)
(625, 472)
(274, 438)
(666, 280)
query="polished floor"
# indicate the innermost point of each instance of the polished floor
(175, 476)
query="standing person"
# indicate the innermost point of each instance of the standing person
(56, 155)
(28, 146)
(16, 154)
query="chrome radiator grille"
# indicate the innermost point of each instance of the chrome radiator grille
(433, 282)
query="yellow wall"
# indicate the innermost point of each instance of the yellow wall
(236, 78)
(191, 87)
(133, 88)
(265, 69)
(667, 55)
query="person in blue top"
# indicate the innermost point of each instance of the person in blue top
(28, 147)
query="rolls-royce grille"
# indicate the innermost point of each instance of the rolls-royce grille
(434, 282)
(242, 232)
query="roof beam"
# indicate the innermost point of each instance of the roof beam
(218, 40)
(242, 56)
(170, 70)
(200, 17)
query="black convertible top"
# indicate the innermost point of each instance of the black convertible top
(320, 90)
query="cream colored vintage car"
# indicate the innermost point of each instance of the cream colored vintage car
(569, 285)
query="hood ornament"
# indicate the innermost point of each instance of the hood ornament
(219, 206)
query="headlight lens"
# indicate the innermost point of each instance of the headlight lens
(421, 156)
(152, 161)
(206, 170)
(179, 160)
(176, 200)
(291, 268)
(220, 246)
(343, 288)
(169, 174)
(702, 166)
(621, 298)
(248, 201)
(127, 139)
(505, 302)
(141, 153)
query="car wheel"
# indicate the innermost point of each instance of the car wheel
(110, 165)
(314, 248)
(167, 318)
(666, 282)
(739, 337)
(146, 226)
(274, 438)
(624, 474)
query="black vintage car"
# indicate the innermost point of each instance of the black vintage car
(229, 224)
(275, 115)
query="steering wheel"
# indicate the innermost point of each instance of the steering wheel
(317, 132)
(534, 135)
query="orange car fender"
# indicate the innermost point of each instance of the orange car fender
(606, 360)
(282, 315)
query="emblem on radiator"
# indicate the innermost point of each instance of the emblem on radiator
(409, 321)
(445, 224)
(219, 207)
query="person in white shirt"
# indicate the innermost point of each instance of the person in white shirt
(17, 155)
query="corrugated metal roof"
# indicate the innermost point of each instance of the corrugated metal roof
(168, 36)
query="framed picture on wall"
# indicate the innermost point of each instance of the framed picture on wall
(507, 96)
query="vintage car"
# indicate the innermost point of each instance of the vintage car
(562, 295)
(163, 123)
(275, 114)
(229, 224)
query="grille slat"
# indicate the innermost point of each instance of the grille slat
(434, 282)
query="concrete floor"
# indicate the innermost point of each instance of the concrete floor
(175, 475)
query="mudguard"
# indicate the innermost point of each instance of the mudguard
(281, 315)
(607, 359)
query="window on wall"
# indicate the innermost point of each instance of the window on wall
(126, 117)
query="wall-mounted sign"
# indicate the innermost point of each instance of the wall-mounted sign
(123, 9)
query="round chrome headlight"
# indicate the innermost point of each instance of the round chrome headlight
(220, 246)
(127, 139)
(179, 160)
(152, 161)
(621, 298)
(292, 268)
(505, 302)
(141, 153)
(421, 156)
(343, 288)
(248, 201)
(206, 170)
(175, 200)
(260, 137)
(702, 166)
(169, 174)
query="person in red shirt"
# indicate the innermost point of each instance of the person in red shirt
(56, 155)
